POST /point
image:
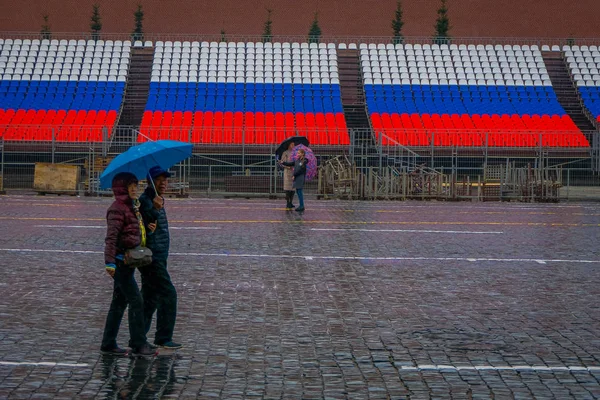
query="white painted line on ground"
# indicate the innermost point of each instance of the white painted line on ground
(71, 226)
(191, 228)
(195, 228)
(406, 230)
(316, 257)
(425, 367)
(52, 251)
(495, 368)
(43, 364)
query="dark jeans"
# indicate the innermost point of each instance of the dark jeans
(159, 295)
(125, 293)
(300, 197)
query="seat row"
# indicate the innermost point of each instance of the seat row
(244, 127)
(59, 125)
(477, 130)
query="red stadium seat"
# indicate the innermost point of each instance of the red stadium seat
(387, 129)
(166, 125)
(301, 125)
(311, 125)
(259, 123)
(217, 137)
(321, 129)
(175, 131)
(290, 125)
(342, 129)
(399, 133)
(333, 137)
(279, 128)
(186, 126)
(249, 129)
(238, 127)
(269, 127)
(207, 127)
(228, 127)
(197, 127)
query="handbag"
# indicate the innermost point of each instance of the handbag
(138, 257)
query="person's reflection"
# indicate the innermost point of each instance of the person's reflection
(126, 378)
(114, 374)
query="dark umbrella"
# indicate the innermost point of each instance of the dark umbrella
(285, 144)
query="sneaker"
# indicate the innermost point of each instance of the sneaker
(170, 345)
(145, 350)
(115, 351)
(300, 209)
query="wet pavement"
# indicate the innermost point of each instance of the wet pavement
(360, 300)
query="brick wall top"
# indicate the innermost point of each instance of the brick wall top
(472, 18)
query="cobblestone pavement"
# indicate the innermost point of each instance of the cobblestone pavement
(358, 300)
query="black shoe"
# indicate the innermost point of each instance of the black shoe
(300, 209)
(145, 350)
(115, 351)
(288, 206)
(152, 346)
(170, 345)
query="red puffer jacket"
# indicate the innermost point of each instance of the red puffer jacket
(123, 229)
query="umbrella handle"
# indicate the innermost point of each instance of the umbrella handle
(153, 186)
(155, 191)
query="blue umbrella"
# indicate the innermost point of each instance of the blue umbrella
(139, 159)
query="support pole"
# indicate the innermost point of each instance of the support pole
(2, 149)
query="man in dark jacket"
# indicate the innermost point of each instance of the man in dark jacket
(157, 289)
(124, 232)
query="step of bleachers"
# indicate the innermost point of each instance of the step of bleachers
(565, 90)
(584, 68)
(138, 86)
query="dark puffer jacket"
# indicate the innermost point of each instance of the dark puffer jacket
(123, 228)
(299, 172)
(159, 240)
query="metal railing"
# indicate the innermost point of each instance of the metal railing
(244, 169)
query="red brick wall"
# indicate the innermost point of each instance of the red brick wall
(499, 18)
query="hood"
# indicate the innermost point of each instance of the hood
(119, 186)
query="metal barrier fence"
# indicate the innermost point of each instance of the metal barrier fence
(153, 37)
(370, 168)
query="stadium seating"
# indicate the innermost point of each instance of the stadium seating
(261, 93)
(250, 93)
(62, 90)
(584, 65)
(449, 95)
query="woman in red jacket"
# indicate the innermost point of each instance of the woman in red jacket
(125, 230)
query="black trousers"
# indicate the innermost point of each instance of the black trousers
(125, 293)
(159, 296)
